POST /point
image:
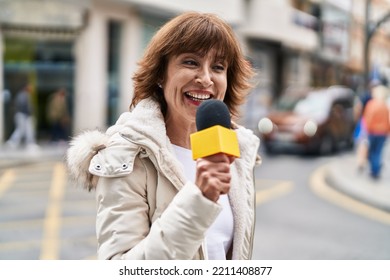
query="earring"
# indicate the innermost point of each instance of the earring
(159, 85)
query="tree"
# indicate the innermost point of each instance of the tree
(370, 29)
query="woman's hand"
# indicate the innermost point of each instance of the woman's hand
(213, 175)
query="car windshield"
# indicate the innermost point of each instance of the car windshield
(315, 105)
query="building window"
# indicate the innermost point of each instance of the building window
(47, 65)
(114, 40)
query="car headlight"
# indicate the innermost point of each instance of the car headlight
(265, 125)
(310, 128)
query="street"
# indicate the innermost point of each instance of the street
(45, 216)
(298, 224)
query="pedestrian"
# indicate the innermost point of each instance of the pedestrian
(24, 120)
(58, 116)
(361, 142)
(377, 119)
(360, 133)
(153, 200)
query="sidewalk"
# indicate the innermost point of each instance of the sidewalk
(343, 175)
(13, 157)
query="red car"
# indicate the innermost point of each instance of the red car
(320, 122)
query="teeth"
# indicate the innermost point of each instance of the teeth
(198, 96)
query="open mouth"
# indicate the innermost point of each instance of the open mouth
(198, 96)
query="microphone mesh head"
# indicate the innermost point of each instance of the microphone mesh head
(212, 112)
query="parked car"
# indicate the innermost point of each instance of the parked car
(319, 121)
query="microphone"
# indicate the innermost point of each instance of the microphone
(214, 134)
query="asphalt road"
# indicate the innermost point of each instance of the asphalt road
(295, 223)
(44, 216)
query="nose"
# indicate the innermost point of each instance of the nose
(204, 77)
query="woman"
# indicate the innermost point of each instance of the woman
(153, 200)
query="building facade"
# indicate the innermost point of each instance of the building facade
(91, 47)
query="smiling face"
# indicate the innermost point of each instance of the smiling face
(190, 79)
(197, 33)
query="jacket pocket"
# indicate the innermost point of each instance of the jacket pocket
(114, 161)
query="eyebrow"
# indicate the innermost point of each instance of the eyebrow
(199, 54)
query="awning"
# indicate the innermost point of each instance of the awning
(40, 32)
(42, 18)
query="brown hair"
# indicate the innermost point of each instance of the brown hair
(193, 32)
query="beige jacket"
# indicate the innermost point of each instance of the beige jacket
(146, 209)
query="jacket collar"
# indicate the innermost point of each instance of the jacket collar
(145, 126)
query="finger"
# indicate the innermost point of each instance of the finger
(213, 192)
(225, 178)
(231, 159)
(224, 188)
(205, 165)
(220, 157)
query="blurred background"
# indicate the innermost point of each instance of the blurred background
(90, 48)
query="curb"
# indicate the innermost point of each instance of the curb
(342, 176)
(13, 158)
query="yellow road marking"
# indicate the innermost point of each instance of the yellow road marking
(32, 243)
(21, 224)
(28, 224)
(6, 180)
(52, 223)
(19, 245)
(279, 189)
(318, 185)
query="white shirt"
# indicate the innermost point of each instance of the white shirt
(220, 235)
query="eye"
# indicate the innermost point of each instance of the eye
(219, 67)
(190, 62)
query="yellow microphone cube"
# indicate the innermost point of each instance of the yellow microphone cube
(213, 140)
